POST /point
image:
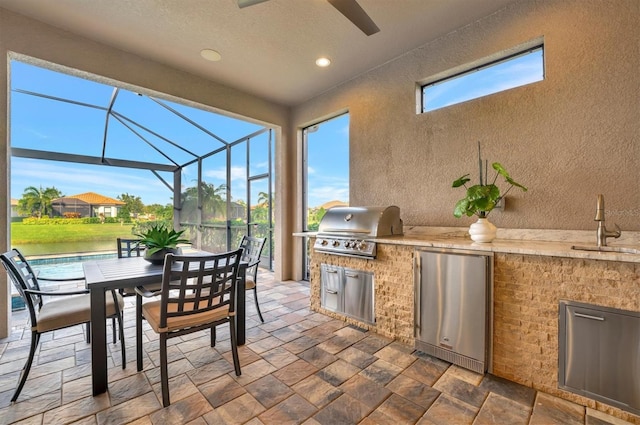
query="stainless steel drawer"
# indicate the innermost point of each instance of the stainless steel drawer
(331, 288)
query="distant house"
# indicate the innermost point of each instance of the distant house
(88, 204)
(14, 208)
(237, 211)
(332, 204)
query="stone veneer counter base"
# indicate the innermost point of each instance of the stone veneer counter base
(530, 278)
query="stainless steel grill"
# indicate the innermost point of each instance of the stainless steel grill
(352, 231)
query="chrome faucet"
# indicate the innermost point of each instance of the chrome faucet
(602, 232)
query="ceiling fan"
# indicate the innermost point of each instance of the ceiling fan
(349, 8)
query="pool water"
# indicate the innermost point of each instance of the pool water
(64, 267)
(59, 271)
(59, 268)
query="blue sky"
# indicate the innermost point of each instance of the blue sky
(517, 71)
(45, 124)
(328, 161)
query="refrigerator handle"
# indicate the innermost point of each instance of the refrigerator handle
(417, 280)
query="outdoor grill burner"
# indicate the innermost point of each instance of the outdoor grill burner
(351, 231)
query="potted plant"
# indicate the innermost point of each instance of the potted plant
(482, 198)
(159, 240)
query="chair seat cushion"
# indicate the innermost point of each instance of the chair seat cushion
(249, 283)
(151, 312)
(60, 312)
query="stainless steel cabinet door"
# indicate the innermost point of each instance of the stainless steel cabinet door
(358, 295)
(600, 354)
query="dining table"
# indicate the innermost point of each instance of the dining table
(129, 272)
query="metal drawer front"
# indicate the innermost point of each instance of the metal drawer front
(331, 287)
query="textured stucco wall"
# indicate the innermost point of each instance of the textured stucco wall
(568, 138)
(22, 36)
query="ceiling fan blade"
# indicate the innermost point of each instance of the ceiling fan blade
(245, 3)
(356, 14)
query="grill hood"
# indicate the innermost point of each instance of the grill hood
(361, 222)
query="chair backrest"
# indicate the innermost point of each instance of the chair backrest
(198, 284)
(251, 251)
(24, 279)
(129, 247)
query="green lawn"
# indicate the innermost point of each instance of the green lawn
(60, 233)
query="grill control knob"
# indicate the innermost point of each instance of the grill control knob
(347, 244)
(361, 245)
(324, 242)
(335, 243)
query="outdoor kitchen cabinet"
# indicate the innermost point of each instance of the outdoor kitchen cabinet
(347, 291)
(599, 353)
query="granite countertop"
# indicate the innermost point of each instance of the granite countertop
(552, 243)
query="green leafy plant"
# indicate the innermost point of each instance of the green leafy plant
(159, 237)
(481, 198)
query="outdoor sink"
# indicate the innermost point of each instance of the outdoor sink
(620, 249)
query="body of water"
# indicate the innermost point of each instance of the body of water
(68, 267)
(60, 267)
(71, 248)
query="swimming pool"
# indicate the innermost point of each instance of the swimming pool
(68, 267)
(64, 267)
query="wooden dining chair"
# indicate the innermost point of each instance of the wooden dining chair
(63, 310)
(251, 251)
(198, 292)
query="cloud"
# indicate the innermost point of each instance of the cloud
(35, 133)
(72, 179)
(321, 194)
(237, 173)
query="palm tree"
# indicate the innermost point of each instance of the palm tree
(189, 202)
(263, 198)
(213, 198)
(37, 201)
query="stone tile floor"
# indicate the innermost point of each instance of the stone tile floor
(297, 367)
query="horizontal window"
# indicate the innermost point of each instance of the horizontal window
(503, 74)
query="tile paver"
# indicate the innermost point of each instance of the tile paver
(297, 367)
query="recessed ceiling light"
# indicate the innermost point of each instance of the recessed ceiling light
(323, 62)
(210, 55)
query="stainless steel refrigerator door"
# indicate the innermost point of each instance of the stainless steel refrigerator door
(453, 305)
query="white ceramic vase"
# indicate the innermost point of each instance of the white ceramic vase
(482, 231)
